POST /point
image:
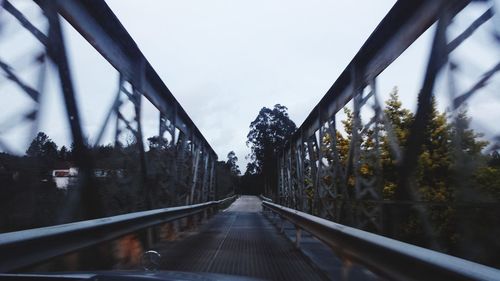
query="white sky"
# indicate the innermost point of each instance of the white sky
(225, 59)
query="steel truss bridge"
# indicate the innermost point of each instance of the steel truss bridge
(323, 203)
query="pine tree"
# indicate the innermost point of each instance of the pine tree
(433, 172)
(400, 120)
(42, 146)
(63, 153)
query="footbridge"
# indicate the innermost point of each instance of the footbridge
(362, 207)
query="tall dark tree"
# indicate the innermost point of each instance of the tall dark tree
(42, 146)
(231, 163)
(63, 153)
(43, 154)
(268, 133)
(252, 169)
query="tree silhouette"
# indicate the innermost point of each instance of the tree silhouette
(268, 133)
(42, 146)
(63, 153)
(231, 163)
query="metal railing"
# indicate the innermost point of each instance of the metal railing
(343, 173)
(264, 198)
(388, 257)
(20, 249)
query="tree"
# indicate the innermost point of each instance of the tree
(268, 133)
(464, 138)
(433, 171)
(157, 142)
(63, 153)
(494, 159)
(399, 117)
(252, 169)
(450, 168)
(466, 146)
(453, 173)
(42, 146)
(231, 163)
(42, 154)
(400, 120)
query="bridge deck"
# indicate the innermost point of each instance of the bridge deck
(239, 241)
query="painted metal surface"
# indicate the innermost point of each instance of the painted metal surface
(389, 257)
(27, 247)
(137, 79)
(315, 178)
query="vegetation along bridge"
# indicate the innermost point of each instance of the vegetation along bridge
(364, 189)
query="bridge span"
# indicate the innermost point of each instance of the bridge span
(238, 241)
(344, 203)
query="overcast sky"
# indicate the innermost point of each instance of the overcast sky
(224, 60)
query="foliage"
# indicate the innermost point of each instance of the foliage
(400, 120)
(488, 180)
(268, 134)
(433, 172)
(231, 163)
(34, 200)
(252, 169)
(42, 146)
(456, 184)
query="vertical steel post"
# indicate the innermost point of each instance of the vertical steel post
(57, 52)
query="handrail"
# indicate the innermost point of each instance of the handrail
(264, 198)
(394, 259)
(27, 247)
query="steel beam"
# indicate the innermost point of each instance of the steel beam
(404, 23)
(95, 21)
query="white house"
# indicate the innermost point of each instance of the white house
(63, 178)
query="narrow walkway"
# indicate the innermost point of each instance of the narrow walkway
(238, 241)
